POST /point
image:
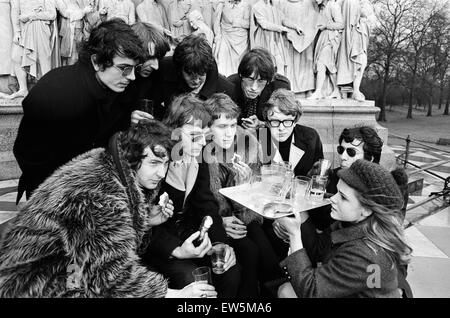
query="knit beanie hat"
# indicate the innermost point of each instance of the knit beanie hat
(374, 181)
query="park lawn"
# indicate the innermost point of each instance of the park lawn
(420, 127)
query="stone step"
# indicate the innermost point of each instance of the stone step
(10, 116)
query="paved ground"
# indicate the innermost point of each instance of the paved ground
(427, 227)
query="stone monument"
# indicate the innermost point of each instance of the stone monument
(329, 116)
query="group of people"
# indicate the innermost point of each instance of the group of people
(316, 44)
(116, 194)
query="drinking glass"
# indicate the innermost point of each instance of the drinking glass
(146, 105)
(218, 258)
(318, 188)
(300, 187)
(202, 275)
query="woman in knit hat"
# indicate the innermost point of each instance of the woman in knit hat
(364, 251)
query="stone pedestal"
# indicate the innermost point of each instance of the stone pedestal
(10, 116)
(330, 116)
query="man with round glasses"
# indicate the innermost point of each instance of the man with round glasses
(255, 82)
(68, 111)
(287, 141)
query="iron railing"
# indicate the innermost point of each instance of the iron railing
(403, 159)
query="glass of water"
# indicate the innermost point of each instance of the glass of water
(317, 188)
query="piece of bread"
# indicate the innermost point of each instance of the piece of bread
(163, 199)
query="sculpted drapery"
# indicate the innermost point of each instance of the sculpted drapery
(231, 31)
(301, 18)
(266, 31)
(352, 58)
(34, 21)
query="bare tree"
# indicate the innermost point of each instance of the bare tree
(389, 38)
(419, 24)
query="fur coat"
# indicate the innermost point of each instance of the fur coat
(79, 235)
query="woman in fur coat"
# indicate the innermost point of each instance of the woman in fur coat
(81, 232)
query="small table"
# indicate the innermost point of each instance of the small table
(256, 196)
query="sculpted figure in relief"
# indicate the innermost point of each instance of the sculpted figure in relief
(301, 18)
(352, 58)
(325, 55)
(231, 34)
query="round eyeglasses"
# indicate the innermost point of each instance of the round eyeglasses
(126, 70)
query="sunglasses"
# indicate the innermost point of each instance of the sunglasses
(276, 123)
(351, 152)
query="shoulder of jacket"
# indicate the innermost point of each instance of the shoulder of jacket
(281, 79)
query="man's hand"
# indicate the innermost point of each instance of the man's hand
(234, 227)
(251, 122)
(159, 214)
(244, 172)
(193, 290)
(230, 257)
(138, 115)
(188, 250)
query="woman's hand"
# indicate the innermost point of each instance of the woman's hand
(234, 227)
(291, 225)
(280, 231)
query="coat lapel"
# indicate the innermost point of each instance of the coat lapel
(295, 154)
(191, 177)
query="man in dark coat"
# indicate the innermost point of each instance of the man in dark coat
(191, 69)
(82, 231)
(69, 110)
(255, 82)
(76, 108)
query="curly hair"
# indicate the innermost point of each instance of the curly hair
(373, 144)
(257, 61)
(109, 39)
(147, 133)
(193, 55)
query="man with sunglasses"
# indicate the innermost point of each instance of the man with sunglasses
(354, 143)
(255, 82)
(68, 112)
